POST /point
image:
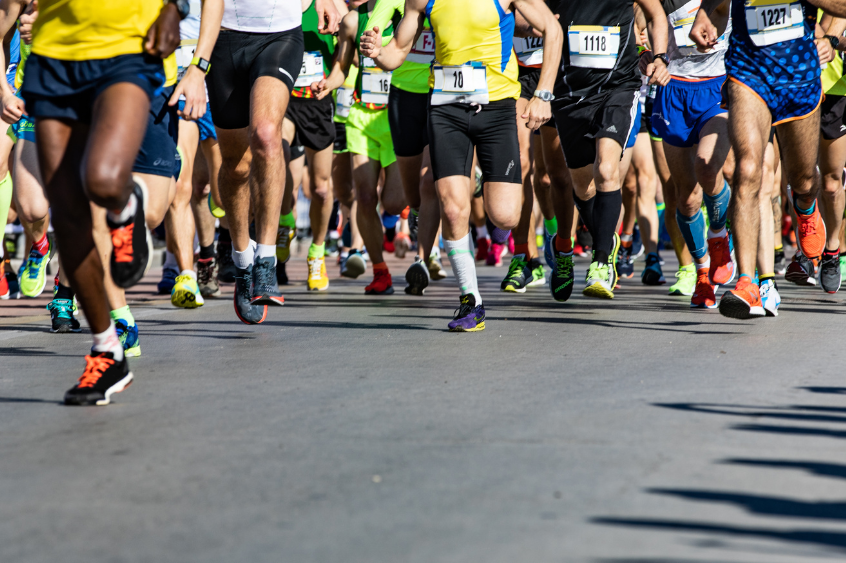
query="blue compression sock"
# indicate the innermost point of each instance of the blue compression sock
(717, 207)
(693, 231)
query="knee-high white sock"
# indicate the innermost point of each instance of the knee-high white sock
(460, 254)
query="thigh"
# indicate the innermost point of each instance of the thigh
(749, 125)
(803, 138)
(494, 134)
(450, 147)
(268, 104)
(365, 174)
(278, 56)
(229, 84)
(833, 156)
(60, 147)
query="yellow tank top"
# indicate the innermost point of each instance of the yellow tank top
(486, 37)
(171, 68)
(79, 30)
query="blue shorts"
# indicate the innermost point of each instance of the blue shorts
(636, 129)
(204, 123)
(24, 128)
(67, 89)
(786, 103)
(158, 153)
(683, 107)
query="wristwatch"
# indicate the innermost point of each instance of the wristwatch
(202, 64)
(835, 42)
(544, 95)
(662, 57)
(182, 6)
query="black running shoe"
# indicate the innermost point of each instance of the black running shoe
(226, 267)
(519, 275)
(412, 225)
(265, 286)
(61, 316)
(417, 277)
(780, 263)
(562, 277)
(132, 251)
(248, 313)
(830, 273)
(625, 262)
(801, 270)
(281, 273)
(102, 378)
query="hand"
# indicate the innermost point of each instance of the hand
(193, 87)
(163, 36)
(13, 108)
(328, 18)
(644, 61)
(824, 50)
(658, 73)
(371, 43)
(319, 89)
(537, 113)
(643, 40)
(703, 32)
(26, 21)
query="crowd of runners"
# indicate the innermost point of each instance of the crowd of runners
(602, 129)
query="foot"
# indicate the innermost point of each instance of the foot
(265, 286)
(780, 263)
(34, 274)
(165, 285)
(4, 284)
(207, 277)
(417, 278)
(519, 275)
(381, 284)
(481, 249)
(226, 267)
(812, 235)
(436, 269)
(830, 273)
(284, 236)
(469, 317)
(388, 245)
(801, 270)
(354, 265)
(770, 297)
(102, 378)
(742, 302)
(495, 253)
(562, 278)
(186, 293)
(548, 249)
(61, 316)
(703, 296)
(722, 265)
(132, 251)
(317, 278)
(538, 273)
(685, 281)
(652, 273)
(129, 339)
(401, 245)
(625, 262)
(245, 309)
(599, 282)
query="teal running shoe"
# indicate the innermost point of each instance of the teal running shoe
(61, 316)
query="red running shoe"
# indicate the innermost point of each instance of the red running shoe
(722, 266)
(481, 249)
(703, 295)
(381, 284)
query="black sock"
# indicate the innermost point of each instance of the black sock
(606, 213)
(223, 236)
(534, 263)
(207, 252)
(585, 207)
(346, 235)
(63, 292)
(831, 253)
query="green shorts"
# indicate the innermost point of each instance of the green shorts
(369, 133)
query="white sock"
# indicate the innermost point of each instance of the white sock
(170, 261)
(244, 259)
(720, 234)
(127, 213)
(266, 251)
(108, 341)
(189, 273)
(463, 261)
(436, 252)
(481, 232)
(706, 265)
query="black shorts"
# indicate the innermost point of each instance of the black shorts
(408, 116)
(832, 123)
(528, 84)
(313, 119)
(455, 129)
(297, 149)
(340, 137)
(609, 114)
(238, 60)
(158, 153)
(67, 89)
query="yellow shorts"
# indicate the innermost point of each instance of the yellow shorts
(369, 133)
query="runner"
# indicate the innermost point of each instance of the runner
(475, 86)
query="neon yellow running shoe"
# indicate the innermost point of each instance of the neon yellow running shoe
(215, 210)
(33, 276)
(538, 276)
(685, 281)
(284, 236)
(317, 278)
(599, 282)
(186, 293)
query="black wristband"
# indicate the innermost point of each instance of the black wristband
(662, 57)
(835, 42)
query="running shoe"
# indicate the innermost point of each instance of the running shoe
(4, 284)
(469, 317)
(538, 274)
(207, 277)
(482, 249)
(495, 253)
(722, 269)
(770, 297)
(132, 252)
(265, 286)
(830, 273)
(412, 224)
(129, 339)
(354, 265)
(168, 280)
(652, 273)
(401, 245)
(703, 296)
(417, 278)
(331, 248)
(812, 235)
(281, 273)
(436, 268)
(102, 378)
(742, 302)
(581, 251)
(388, 245)
(637, 243)
(61, 316)
(317, 278)
(842, 272)
(548, 249)
(247, 312)
(519, 275)
(625, 262)
(801, 270)
(780, 262)
(216, 211)
(33, 277)
(186, 293)
(14, 287)
(284, 236)
(562, 277)
(600, 282)
(226, 270)
(685, 281)
(381, 284)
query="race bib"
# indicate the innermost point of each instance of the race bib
(529, 50)
(593, 46)
(375, 83)
(423, 51)
(343, 101)
(185, 54)
(773, 21)
(467, 83)
(312, 69)
(682, 21)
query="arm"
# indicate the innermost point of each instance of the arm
(392, 55)
(343, 58)
(193, 83)
(835, 28)
(13, 107)
(328, 17)
(539, 16)
(833, 7)
(659, 30)
(704, 32)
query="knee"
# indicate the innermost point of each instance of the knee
(321, 189)
(106, 184)
(608, 173)
(367, 199)
(234, 170)
(266, 140)
(453, 213)
(832, 184)
(706, 172)
(747, 176)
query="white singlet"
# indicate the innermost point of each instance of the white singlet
(262, 16)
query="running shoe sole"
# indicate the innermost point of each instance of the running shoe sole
(107, 396)
(537, 282)
(479, 327)
(186, 299)
(598, 290)
(387, 291)
(356, 268)
(268, 300)
(734, 307)
(511, 289)
(417, 279)
(133, 352)
(65, 329)
(703, 306)
(800, 278)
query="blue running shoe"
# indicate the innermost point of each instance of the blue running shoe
(548, 250)
(652, 273)
(770, 297)
(128, 336)
(168, 281)
(637, 244)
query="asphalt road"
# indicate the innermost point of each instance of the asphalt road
(355, 429)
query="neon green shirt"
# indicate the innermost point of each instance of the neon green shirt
(413, 75)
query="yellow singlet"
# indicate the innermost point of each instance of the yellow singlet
(486, 37)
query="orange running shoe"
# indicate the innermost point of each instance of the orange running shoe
(703, 295)
(381, 284)
(722, 265)
(812, 234)
(743, 302)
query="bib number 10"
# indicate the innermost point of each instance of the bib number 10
(458, 79)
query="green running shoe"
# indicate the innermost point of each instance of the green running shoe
(561, 279)
(843, 268)
(538, 274)
(519, 275)
(33, 276)
(600, 281)
(685, 281)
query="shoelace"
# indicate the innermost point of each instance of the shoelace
(34, 264)
(122, 242)
(245, 290)
(314, 270)
(515, 268)
(284, 236)
(807, 228)
(464, 309)
(565, 264)
(94, 368)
